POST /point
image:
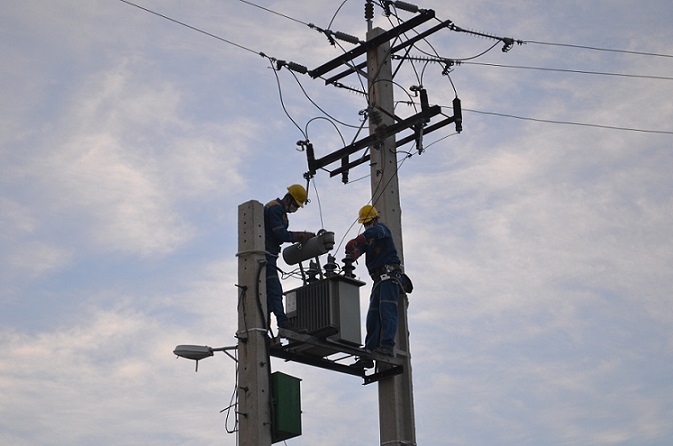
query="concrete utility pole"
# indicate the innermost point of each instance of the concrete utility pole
(253, 360)
(396, 402)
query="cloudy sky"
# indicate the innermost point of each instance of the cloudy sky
(539, 239)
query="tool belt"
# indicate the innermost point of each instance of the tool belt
(395, 272)
(386, 272)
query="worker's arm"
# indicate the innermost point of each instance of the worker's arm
(356, 247)
(278, 223)
(376, 232)
(302, 237)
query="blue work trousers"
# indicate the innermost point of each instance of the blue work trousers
(382, 315)
(274, 291)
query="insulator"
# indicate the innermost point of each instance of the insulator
(347, 38)
(375, 117)
(425, 105)
(330, 267)
(404, 6)
(457, 114)
(348, 267)
(296, 67)
(312, 272)
(310, 159)
(369, 10)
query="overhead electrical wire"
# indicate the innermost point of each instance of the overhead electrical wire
(317, 106)
(374, 192)
(399, 165)
(274, 12)
(192, 27)
(328, 115)
(336, 13)
(551, 121)
(458, 62)
(282, 103)
(651, 54)
(564, 70)
(230, 42)
(569, 45)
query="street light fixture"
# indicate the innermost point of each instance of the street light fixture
(199, 352)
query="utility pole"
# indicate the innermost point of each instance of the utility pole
(254, 410)
(396, 404)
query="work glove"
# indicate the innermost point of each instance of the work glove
(302, 237)
(355, 247)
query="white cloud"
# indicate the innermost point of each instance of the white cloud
(36, 258)
(539, 252)
(108, 375)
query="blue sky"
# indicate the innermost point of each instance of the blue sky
(540, 251)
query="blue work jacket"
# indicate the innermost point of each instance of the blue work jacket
(275, 226)
(379, 248)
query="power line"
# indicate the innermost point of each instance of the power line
(273, 12)
(563, 70)
(452, 62)
(640, 53)
(193, 28)
(474, 63)
(549, 121)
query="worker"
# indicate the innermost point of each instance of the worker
(275, 234)
(383, 264)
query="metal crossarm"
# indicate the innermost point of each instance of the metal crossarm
(422, 17)
(396, 48)
(426, 130)
(382, 133)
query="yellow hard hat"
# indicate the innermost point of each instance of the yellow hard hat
(298, 193)
(367, 214)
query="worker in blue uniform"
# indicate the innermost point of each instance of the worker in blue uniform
(383, 264)
(276, 233)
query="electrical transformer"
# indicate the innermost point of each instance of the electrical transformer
(327, 308)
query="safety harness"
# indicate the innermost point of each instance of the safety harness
(394, 272)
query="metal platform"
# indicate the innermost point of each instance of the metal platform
(316, 349)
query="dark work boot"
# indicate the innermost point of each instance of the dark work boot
(364, 363)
